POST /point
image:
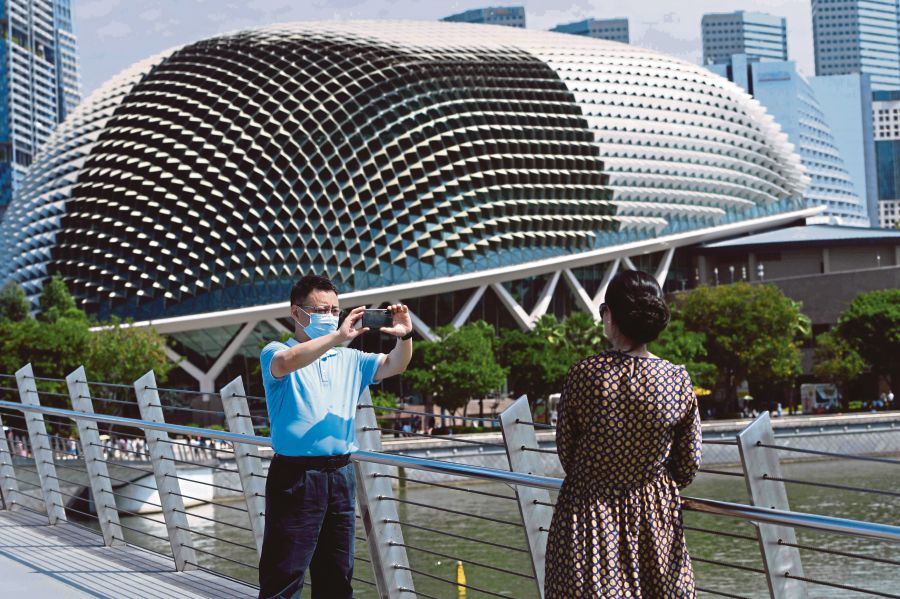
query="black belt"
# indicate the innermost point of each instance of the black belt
(315, 462)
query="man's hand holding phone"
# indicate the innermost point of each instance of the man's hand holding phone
(402, 324)
(348, 330)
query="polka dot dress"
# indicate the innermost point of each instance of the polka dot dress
(628, 436)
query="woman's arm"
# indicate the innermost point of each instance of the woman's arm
(566, 422)
(687, 445)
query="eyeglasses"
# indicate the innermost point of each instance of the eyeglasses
(334, 311)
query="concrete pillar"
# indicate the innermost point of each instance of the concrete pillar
(826, 261)
(752, 275)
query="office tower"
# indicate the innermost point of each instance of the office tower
(68, 78)
(886, 111)
(756, 35)
(605, 29)
(510, 16)
(858, 36)
(846, 103)
(796, 108)
(40, 83)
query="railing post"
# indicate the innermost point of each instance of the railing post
(98, 474)
(249, 465)
(519, 436)
(40, 447)
(8, 486)
(379, 514)
(761, 464)
(162, 458)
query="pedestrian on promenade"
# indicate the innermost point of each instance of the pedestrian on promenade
(628, 436)
(313, 384)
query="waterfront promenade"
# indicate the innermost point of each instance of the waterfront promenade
(39, 561)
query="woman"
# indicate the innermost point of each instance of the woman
(628, 435)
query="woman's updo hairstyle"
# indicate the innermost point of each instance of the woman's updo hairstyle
(637, 305)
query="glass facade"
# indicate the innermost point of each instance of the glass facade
(508, 16)
(615, 30)
(886, 109)
(756, 35)
(858, 36)
(38, 83)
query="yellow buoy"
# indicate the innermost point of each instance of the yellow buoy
(461, 579)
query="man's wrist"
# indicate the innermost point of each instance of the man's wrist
(406, 337)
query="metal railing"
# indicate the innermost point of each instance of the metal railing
(401, 538)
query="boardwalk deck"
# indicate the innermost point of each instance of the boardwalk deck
(39, 561)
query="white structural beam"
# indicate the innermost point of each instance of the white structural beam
(276, 324)
(420, 327)
(662, 271)
(628, 264)
(518, 312)
(230, 350)
(491, 276)
(463, 315)
(184, 364)
(582, 298)
(543, 302)
(604, 284)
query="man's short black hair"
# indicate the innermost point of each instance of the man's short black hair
(307, 284)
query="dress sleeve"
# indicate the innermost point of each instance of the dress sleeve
(567, 421)
(687, 444)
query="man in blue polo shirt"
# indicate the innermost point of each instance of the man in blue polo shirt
(313, 385)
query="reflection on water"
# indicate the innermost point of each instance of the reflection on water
(462, 531)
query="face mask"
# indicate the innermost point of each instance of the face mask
(319, 324)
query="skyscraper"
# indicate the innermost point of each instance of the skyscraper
(605, 29)
(793, 103)
(39, 82)
(510, 16)
(858, 36)
(756, 35)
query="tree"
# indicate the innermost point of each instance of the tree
(871, 326)
(118, 353)
(536, 360)
(55, 300)
(751, 332)
(63, 340)
(13, 303)
(680, 346)
(457, 367)
(835, 360)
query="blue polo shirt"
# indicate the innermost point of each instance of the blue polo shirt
(312, 410)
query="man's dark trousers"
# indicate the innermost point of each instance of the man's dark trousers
(310, 523)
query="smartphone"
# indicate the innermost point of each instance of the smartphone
(376, 318)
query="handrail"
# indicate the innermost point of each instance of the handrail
(721, 508)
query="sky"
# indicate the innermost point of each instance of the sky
(113, 34)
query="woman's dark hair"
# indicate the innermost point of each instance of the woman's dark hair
(307, 284)
(637, 305)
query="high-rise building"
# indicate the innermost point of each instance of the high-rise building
(858, 36)
(886, 113)
(605, 29)
(792, 102)
(68, 77)
(39, 82)
(510, 16)
(758, 36)
(846, 104)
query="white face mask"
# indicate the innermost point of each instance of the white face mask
(319, 324)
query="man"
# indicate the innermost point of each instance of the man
(313, 385)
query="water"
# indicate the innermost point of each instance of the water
(869, 575)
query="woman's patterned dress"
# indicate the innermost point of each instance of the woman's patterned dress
(628, 436)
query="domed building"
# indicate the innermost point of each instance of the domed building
(405, 160)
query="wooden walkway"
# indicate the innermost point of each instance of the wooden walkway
(38, 561)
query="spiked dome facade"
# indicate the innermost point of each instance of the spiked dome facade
(384, 154)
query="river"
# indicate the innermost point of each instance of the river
(703, 546)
